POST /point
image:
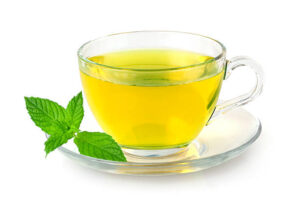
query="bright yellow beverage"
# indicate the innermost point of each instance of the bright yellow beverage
(152, 110)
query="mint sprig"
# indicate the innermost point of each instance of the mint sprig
(64, 124)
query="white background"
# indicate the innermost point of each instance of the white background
(38, 44)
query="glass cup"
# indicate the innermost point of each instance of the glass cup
(157, 111)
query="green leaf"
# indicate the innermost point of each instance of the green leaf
(47, 115)
(99, 145)
(54, 142)
(75, 111)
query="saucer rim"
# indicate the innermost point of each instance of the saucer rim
(225, 154)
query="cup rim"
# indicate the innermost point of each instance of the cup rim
(217, 58)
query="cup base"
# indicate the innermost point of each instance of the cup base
(154, 153)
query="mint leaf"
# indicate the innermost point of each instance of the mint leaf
(99, 145)
(54, 142)
(47, 115)
(75, 111)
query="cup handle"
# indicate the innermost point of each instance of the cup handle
(231, 104)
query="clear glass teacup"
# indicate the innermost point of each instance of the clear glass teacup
(154, 91)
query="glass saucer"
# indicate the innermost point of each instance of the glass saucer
(225, 138)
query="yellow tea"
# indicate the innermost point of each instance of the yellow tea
(152, 109)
